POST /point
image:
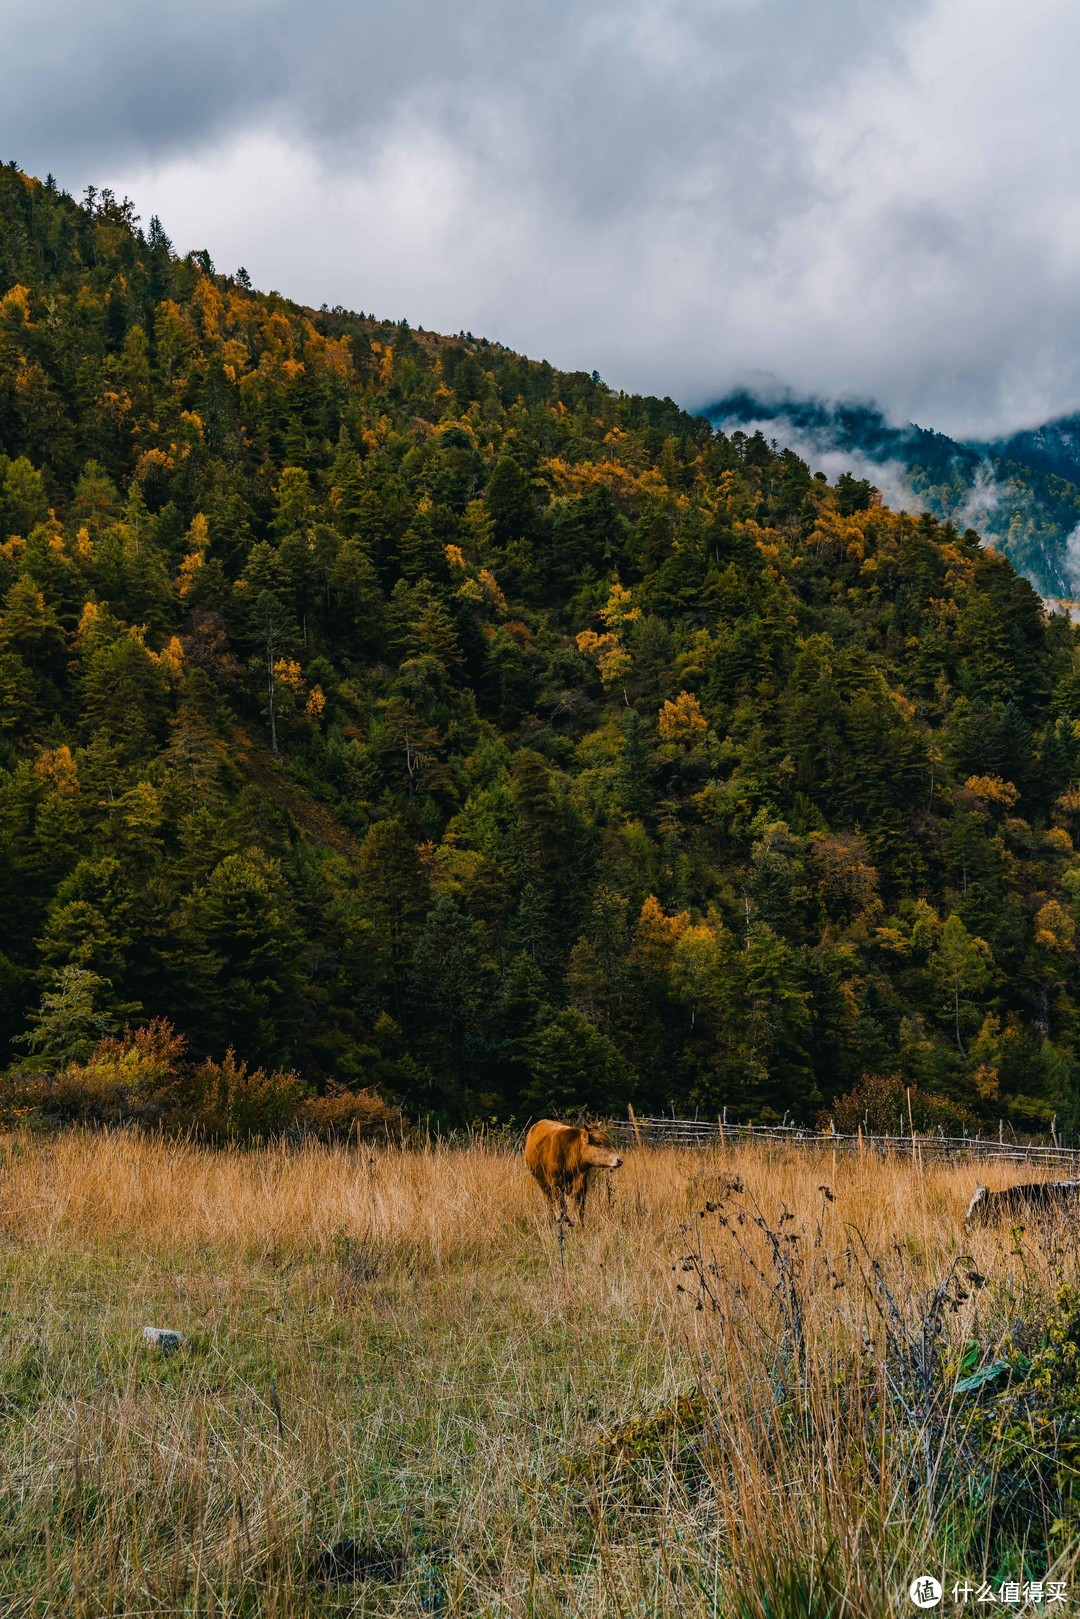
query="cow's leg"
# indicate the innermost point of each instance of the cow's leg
(556, 1201)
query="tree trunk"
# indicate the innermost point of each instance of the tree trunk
(270, 691)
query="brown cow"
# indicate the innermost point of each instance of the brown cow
(562, 1157)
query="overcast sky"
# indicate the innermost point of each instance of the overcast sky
(878, 198)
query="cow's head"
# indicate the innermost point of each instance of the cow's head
(977, 1200)
(597, 1150)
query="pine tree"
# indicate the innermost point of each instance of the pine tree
(69, 1022)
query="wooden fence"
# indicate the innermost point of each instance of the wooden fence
(669, 1131)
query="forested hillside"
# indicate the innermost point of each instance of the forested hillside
(401, 710)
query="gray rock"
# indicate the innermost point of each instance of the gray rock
(163, 1338)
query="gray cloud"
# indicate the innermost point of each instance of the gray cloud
(859, 199)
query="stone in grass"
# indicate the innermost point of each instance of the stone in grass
(163, 1338)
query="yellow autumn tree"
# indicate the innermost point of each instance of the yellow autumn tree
(655, 938)
(698, 976)
(681, 722)
(197, 541)
(605, 649)
(609, 655)
(992, 790)
(170, 660)
(57, 767)
(491, 591)
(287, 672)
(618, 609)
(1054, 927)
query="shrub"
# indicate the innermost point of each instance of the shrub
(145, 1077)
(1026, 1435)
(342, 1114)
(128, 1076)
(228, 1101)
(881, 1106)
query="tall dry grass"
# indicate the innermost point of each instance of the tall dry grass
(677, 1410)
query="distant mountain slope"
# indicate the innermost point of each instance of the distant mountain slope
(1021, 492)
(1053, 448)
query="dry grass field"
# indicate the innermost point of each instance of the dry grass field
(401, 1393)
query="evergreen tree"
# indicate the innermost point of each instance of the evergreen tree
(69, 1022)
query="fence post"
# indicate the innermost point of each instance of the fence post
(911, 1125)
(633, 1121)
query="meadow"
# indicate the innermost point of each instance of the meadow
(756, 1384)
